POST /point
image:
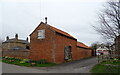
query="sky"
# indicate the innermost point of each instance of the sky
(75, 17)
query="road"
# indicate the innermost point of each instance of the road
(81, 66)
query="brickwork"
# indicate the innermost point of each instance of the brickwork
(83, 53)
(60, 43)
(17, 54)
(14, 42)
(117, 45)
(52, 46)
(42, 49)
(7, 46)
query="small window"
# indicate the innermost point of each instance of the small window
(41, 34)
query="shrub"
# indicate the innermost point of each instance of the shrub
(6, 57)
(42, 61)
(115, 60)
(33, 61)
(25, 61)
(33, 64)
(18, 59)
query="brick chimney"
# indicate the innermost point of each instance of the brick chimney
(46, 20)
(27, 39)
(16, 36)
(7, 38)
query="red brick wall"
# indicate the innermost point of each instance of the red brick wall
(42, 49)
(83, 53)
(61, 42)
(52, 47)
(18, 53)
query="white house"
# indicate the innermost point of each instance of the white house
(102, 50)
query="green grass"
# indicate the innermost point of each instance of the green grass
(107, 67)
(111, 62)
(27, 64)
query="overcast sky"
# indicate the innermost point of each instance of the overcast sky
(72, 16)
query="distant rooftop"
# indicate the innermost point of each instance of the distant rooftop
(12, 40)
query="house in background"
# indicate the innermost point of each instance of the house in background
(15, 44)
(55, 45)
(102, 50)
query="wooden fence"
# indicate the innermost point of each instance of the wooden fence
(102, 58)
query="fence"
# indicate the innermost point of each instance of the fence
(109, 63)
(102, 58)
(20, 53)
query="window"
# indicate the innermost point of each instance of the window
(41, 34)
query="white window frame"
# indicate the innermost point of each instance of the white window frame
(41, 34)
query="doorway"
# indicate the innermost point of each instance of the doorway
(67, 53)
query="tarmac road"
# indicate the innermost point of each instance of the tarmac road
(80, 66)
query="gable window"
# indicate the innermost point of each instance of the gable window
(41, 34)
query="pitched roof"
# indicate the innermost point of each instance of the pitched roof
(79, 44)
(102, 48)
(61, 32)
(18, 41)
(56, 30)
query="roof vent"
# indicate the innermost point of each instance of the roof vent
(7, 38)
(16, 36)
(46, 20)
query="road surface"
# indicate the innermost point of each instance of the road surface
(81, 66)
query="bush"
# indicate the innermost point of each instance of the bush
(25, 61)
(42, 61)
(18, 59)
(33, 61)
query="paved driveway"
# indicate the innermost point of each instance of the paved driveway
(81, 66)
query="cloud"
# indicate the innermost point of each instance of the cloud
(68, 15)
(53, 0)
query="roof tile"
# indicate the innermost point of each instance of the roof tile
(60, 31)
(82, 45)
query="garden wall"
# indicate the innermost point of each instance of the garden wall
(19, 54)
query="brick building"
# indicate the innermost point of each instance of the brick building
(83, 51)
(15, 44)
(55, 45)
(117, 45)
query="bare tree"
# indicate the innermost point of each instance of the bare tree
(0, 42)
(109, 20)
(94, 46)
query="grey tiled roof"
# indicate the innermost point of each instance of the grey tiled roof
(17, 41)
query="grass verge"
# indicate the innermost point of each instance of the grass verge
(27, 64)
(107, 67)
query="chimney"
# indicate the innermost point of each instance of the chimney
(27, 39)
(16, 36)
(46, 20)
(7, 38)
